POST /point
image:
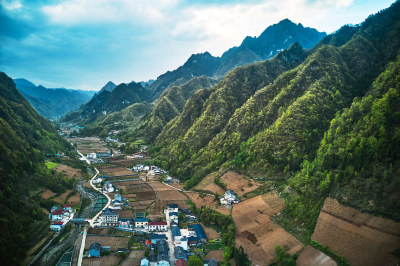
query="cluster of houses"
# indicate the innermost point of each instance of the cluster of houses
(157, 241)
(229, 198)
(59, 217)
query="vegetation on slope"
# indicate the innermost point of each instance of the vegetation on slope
(277, 122)
(25, 139)
(168, 106)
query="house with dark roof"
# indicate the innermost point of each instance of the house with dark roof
(109, 218)
(163, 257)
(176, 231)
(94, 250)
(162, 247)
(180, 253)
(154, 238)
(199, 232)
(173, 207)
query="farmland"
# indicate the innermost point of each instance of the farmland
(239, 183)
(257, 233)
(115, 170)
(89, 144)
(113, 242)
(312, 256)
(68, 171)
(361, 238)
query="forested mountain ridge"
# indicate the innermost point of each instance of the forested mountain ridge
(51, 103)
(274, 39)
(107, 102)
(169, 105)
(279, 124)
(25, 139)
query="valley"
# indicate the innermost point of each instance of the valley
(283, 150)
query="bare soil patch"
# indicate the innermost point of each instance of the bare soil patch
(125, 213)
(61, 199)
(113, 259)
(216, 255)
(133, 258)
(211, 233)
(75, 199)
(255, 231)
(115, 170)
(360, 238)
(239, 183)
(68, 171)
(208, 184)
(200, 201)
(113, 242)
(47, 194)
(310, 256)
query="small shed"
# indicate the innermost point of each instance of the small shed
(94, 250)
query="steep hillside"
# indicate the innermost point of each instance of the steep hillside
(197, 65)
(51, 103)
(169, 105)
(283, 123)
(25, 139)
(273, 40)
(183, 139)
(124, 121)
(107, 102)
(358, 159)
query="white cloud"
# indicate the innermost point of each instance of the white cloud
(11, 5)
(218, 27)
(78, 12)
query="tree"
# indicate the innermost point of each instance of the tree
(194, 261)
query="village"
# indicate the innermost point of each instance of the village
(136, 213)
(141, 216)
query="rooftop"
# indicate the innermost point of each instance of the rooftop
(157, 223)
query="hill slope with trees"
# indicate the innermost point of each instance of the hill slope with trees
(25, 140)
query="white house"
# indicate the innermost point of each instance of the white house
(109, 218)
(91, 155)
(56, 226)
(181, 241)
(157, 226)
(57, 215)
(108, 187)
(141, 223)
(229, 198)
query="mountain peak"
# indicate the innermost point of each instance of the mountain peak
(110, 86)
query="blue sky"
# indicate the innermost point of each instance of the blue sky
(82, 44)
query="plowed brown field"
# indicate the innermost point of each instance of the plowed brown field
(361, 238)
(255, 231)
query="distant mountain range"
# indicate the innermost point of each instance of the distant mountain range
(273, 40)
(52, 103)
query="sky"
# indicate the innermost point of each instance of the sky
(83, 44)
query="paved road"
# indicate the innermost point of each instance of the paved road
(170, 241)
(91, 221)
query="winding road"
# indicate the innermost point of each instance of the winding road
(91, 221)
